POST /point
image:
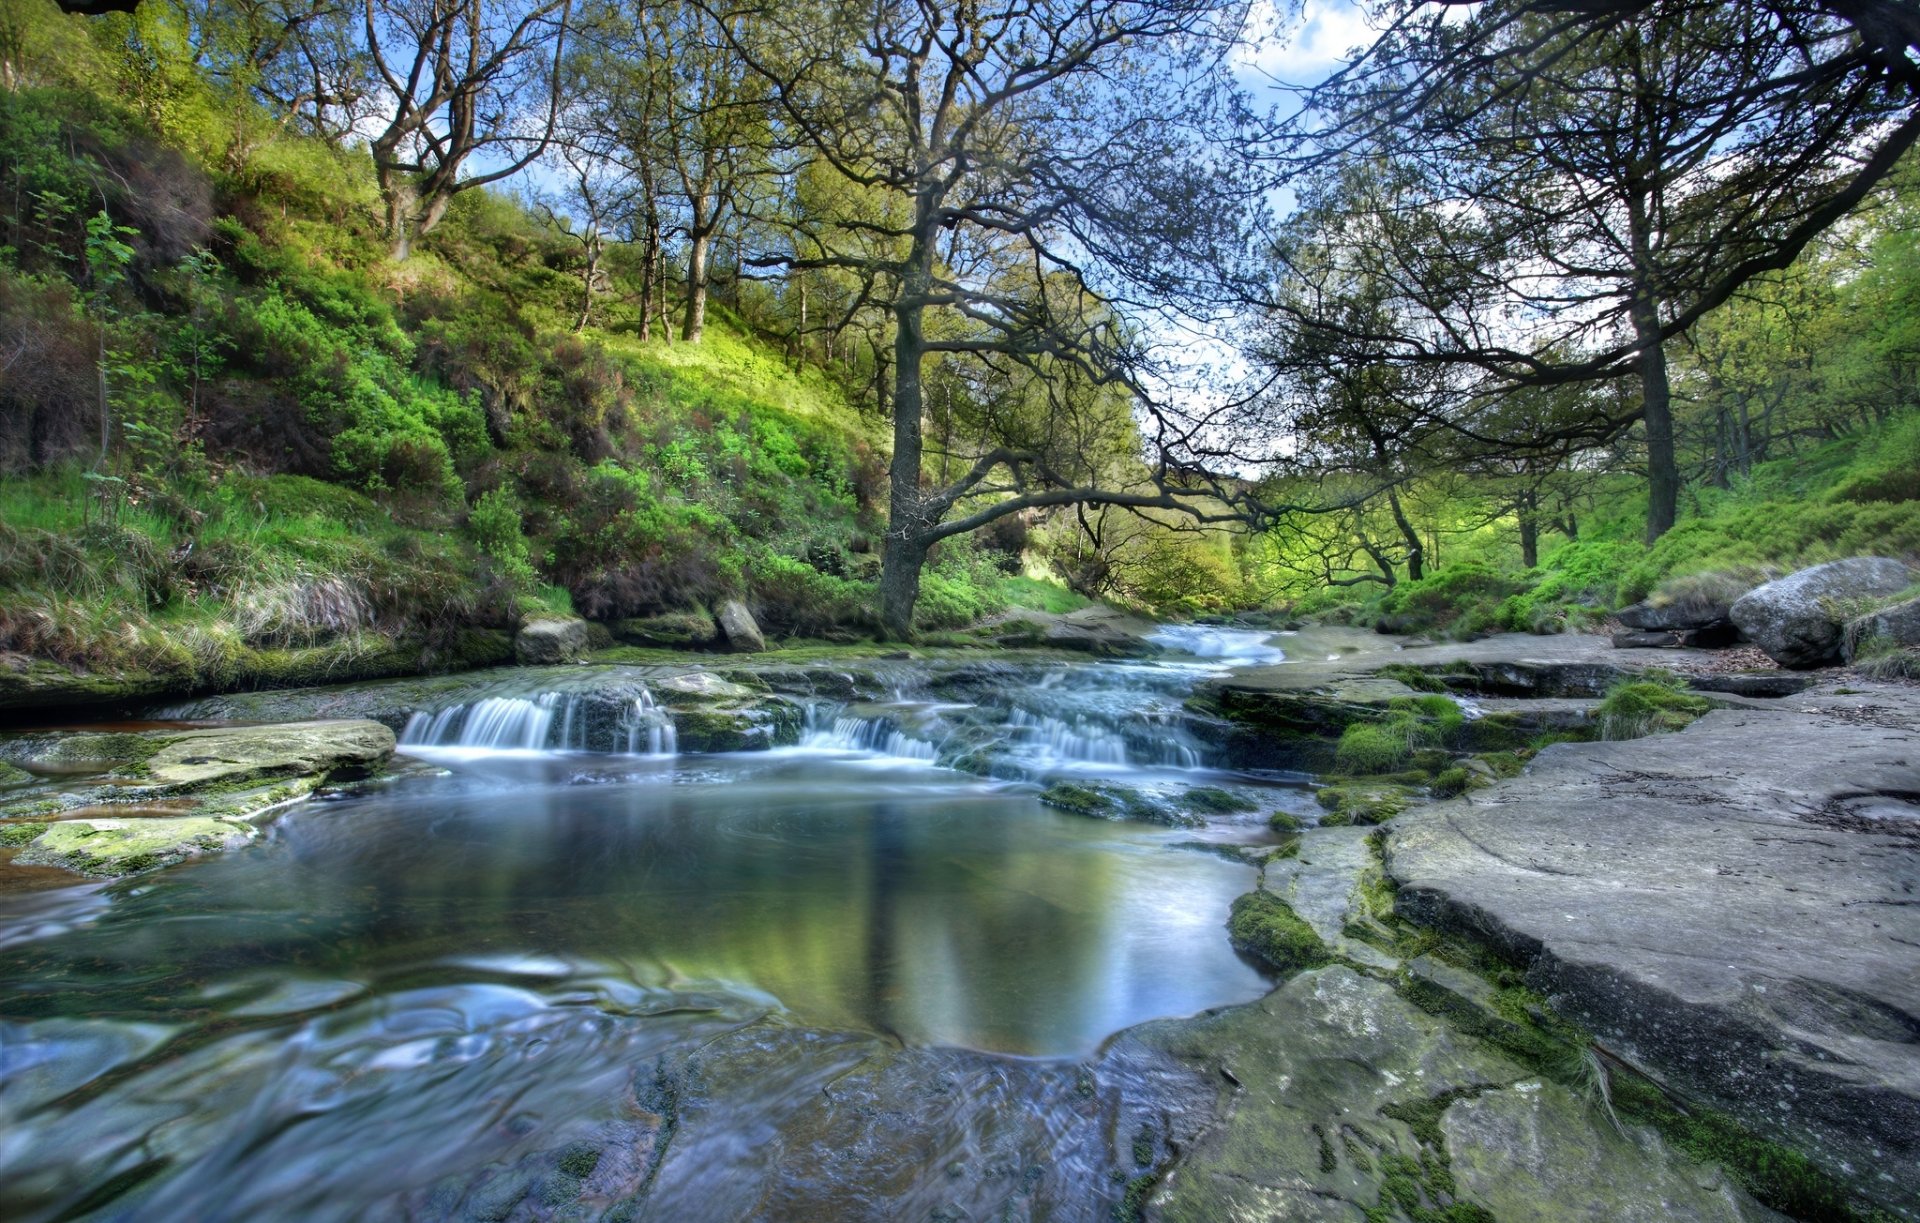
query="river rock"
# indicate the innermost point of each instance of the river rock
(1730, 906)
(1898, 625)
(541, 642)
(1532, 1151)
(668, 631)
(107, 847)
(737, 625)
(153, 798)
(1798, 619)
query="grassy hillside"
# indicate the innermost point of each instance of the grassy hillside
(311, 448)
(1852, 496)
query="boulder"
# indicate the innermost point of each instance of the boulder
(690, 630)
(1898, 625)
(738, 627)
(1694, 612)
(1798, 619)
(541, 642)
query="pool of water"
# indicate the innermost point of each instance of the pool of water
(429, 1000)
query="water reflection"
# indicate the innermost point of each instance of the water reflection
(420, 985)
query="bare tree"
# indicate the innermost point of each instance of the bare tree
(1017, 172)
(460, 81)
(1575, 183)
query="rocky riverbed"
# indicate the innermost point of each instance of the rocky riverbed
(1665, 978)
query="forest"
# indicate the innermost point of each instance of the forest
(326, 326)
(1102, 611)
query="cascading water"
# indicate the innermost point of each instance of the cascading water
(1223, 647)
(1084, 741)
(548, 721)
(875, 736)
(497, 723)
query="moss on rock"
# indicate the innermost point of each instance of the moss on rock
(1266, 927)
(105, 848)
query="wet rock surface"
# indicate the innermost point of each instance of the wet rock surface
(544, 642)
(1732, 907)
(115, 803)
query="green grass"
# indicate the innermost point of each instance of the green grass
(1037, 594)
(1654, 705)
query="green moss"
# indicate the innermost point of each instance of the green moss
(1266, 927)
(1284, 821)
(1451, 783)
(1368, 747)
(1363, 802)
(20, 834)
(1216, 801)
(11, 776)
(1413, 677)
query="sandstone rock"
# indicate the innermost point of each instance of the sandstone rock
(1898, 625)
(550, 641)
(1729, 906)
(668, 631)
(108, 846)
(738, 627)
(1798, 619)
(1532, 1152)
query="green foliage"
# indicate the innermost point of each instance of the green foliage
(495, 523)
(1039, 595)
(1457, 600)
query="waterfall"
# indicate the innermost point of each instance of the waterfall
(875, 736)
(548, 721)
(650, 719)
(1084, 741)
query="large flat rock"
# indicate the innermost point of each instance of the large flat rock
(1735, 907)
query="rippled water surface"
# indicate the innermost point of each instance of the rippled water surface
(504, 989)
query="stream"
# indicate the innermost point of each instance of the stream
(561, 969)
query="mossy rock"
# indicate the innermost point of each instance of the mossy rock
(58, 752)
(772, 722)
(11, 776)
(1266, 928)
(1364, 802)
(21, 833)
(107, 848)
(1285, 821)
(1111, 802)
(1214, 801)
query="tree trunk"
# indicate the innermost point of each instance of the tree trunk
(646, 282)
(696, 317)
(1524, 513)
(401, 201)
(1416, 555)
(1656, 397)
(905, 550)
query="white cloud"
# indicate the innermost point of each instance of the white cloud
(1301, 47)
